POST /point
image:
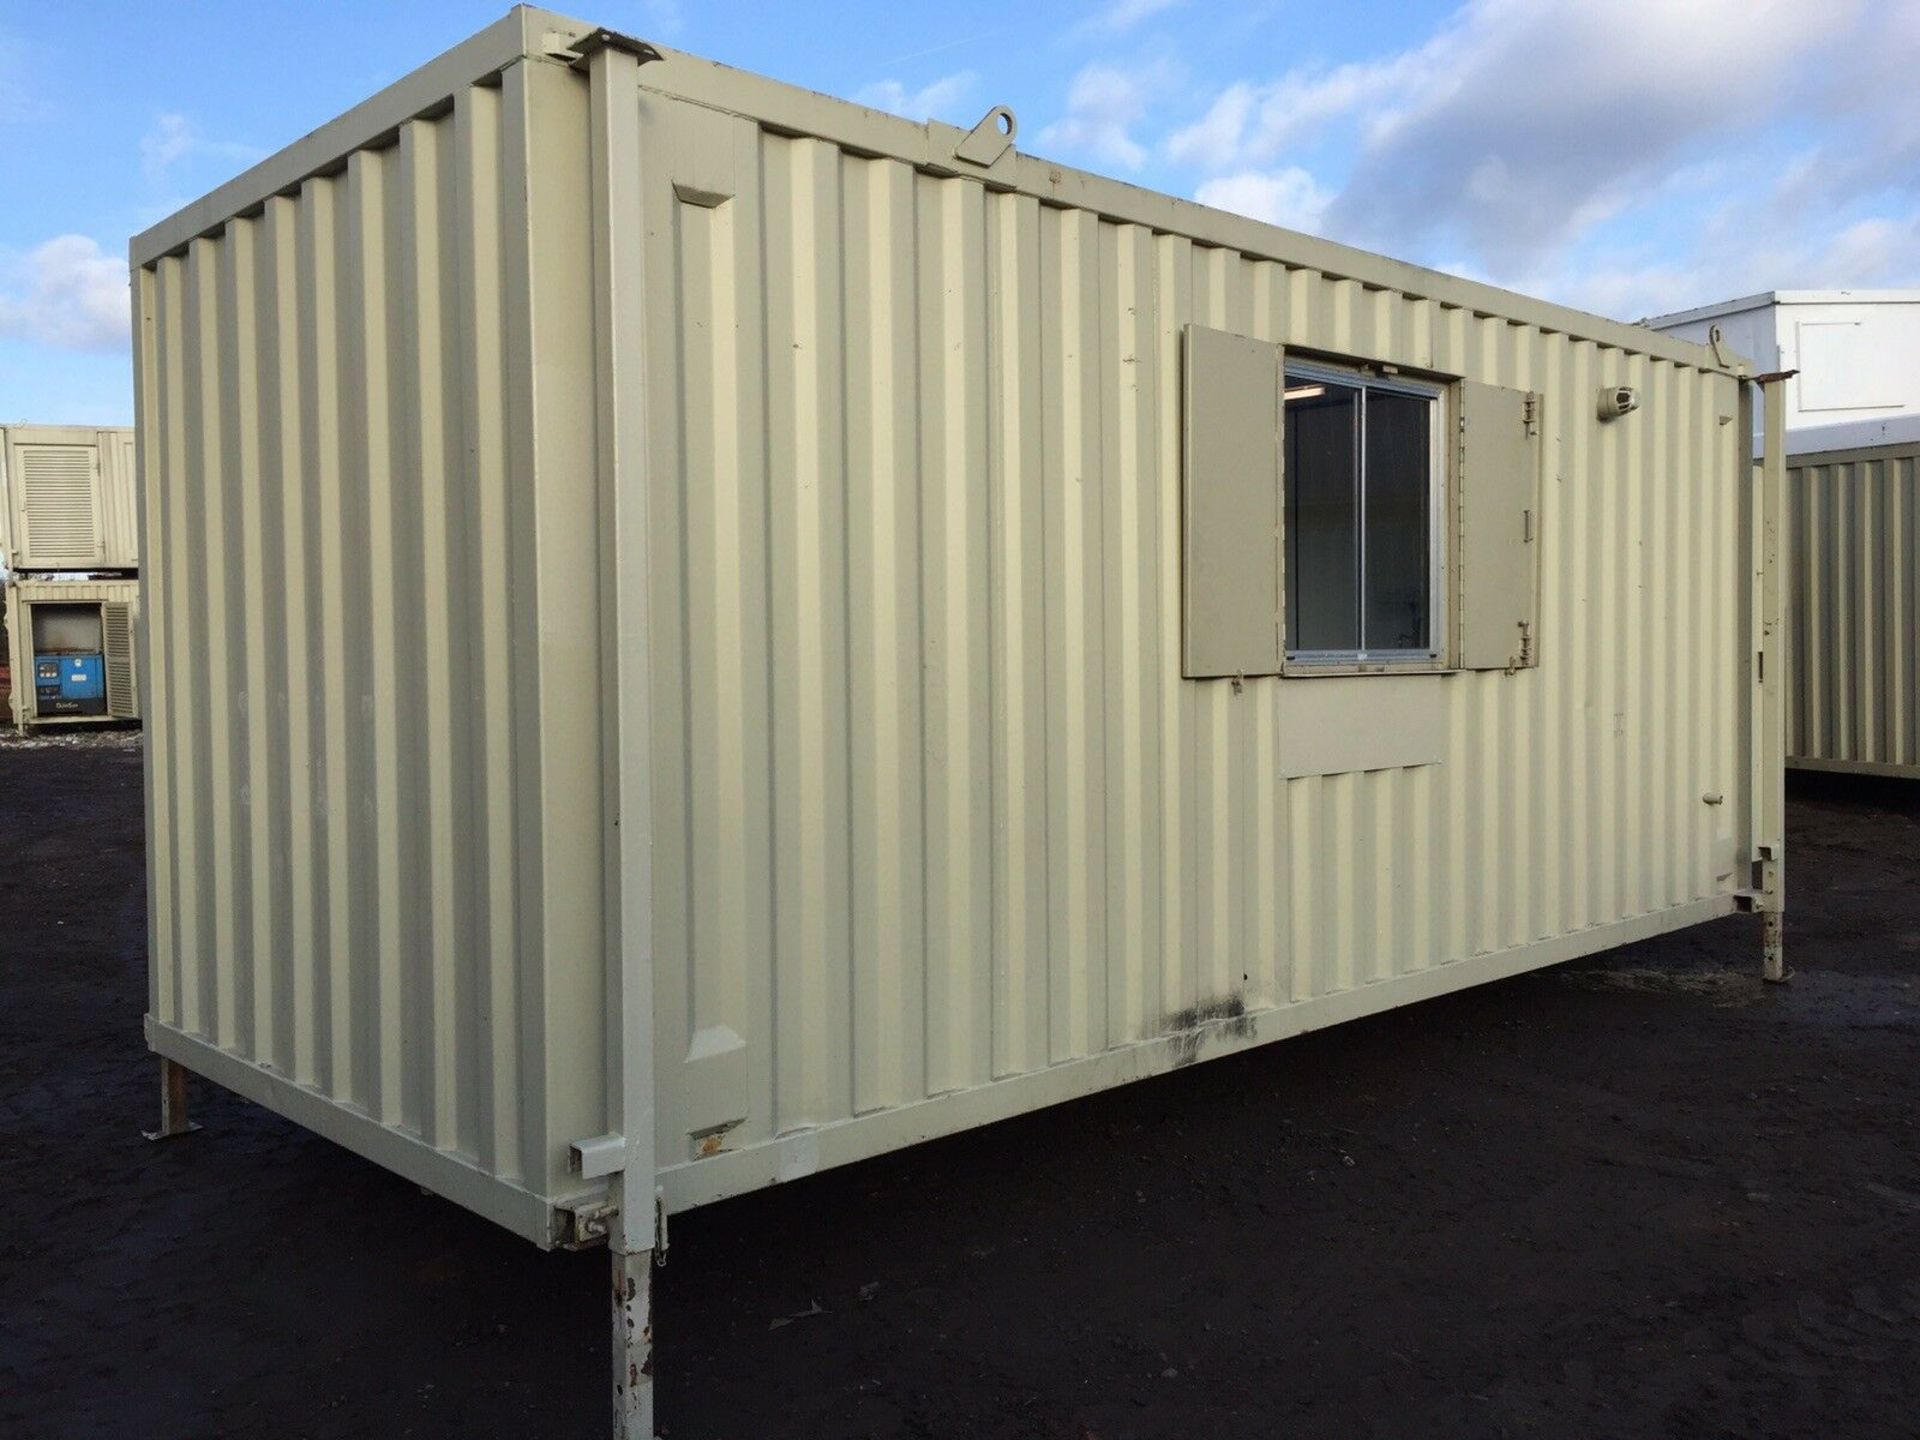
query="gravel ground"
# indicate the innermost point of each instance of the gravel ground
(1642, 1195)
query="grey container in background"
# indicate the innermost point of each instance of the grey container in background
(668, 615)
(1854, 527)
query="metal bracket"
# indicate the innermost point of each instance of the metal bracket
(990, 139)
(576, 52)
(600, 1156)
(1718, 342)
(588, 1224)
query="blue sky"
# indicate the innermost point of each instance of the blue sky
(1629, 157)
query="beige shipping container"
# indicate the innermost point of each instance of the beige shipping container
(51, 622)
(1854, 528)
(697, 632)
(70, 498)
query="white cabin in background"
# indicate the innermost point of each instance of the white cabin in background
(1857, 351)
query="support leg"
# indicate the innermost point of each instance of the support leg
(1773, 948)
(632, 1345)
(173, 1103)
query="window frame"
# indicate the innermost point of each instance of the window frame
(1437, 654)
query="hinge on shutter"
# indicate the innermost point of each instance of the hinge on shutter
(1531, 414)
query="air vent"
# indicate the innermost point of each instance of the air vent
(58, 504)
(117, 629)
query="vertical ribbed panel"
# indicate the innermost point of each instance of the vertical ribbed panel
(937, 830)
(934, 806)
(372, 640)
(119, 501)
(1854, 541)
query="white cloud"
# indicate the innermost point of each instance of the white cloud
(1104, 103)
(66, 292)
(173, 138)
(1741, 247)
(1259, 123)
(1520, 123)
(1119, 16)
(1215, 140)
(1581, 151)
(1289, 197)
(169, 138)
(1508, 130)
(944, 99)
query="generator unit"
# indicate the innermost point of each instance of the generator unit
(72, 650)
(69, 683)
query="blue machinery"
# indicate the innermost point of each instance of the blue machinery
(70, 683)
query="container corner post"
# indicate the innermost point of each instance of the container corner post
(1773, 949)
(174, 1120)
(632, 1342)
(1772, 660)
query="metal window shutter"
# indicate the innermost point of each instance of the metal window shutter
(1231, 505)
(1497, 579)
(116, 621)
(59, 506)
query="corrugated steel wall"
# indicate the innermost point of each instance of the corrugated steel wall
(1854, 700)
(933, 805)
(119, 501)
(375, 774)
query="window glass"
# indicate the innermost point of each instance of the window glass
(1322, 429)
(1360, 495)
(1399, 484)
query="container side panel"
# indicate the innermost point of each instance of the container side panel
(935, 807)
(807, 526)
(119, 500)
(372, 621)
(491, 1076)
(150, 649)
(1854, 615)
(230, 544)
(559, 753)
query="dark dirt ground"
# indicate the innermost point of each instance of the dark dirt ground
(1638, 1196)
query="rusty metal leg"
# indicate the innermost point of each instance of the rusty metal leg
(1773, 948)
(173, 1103)
(633, 1345)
